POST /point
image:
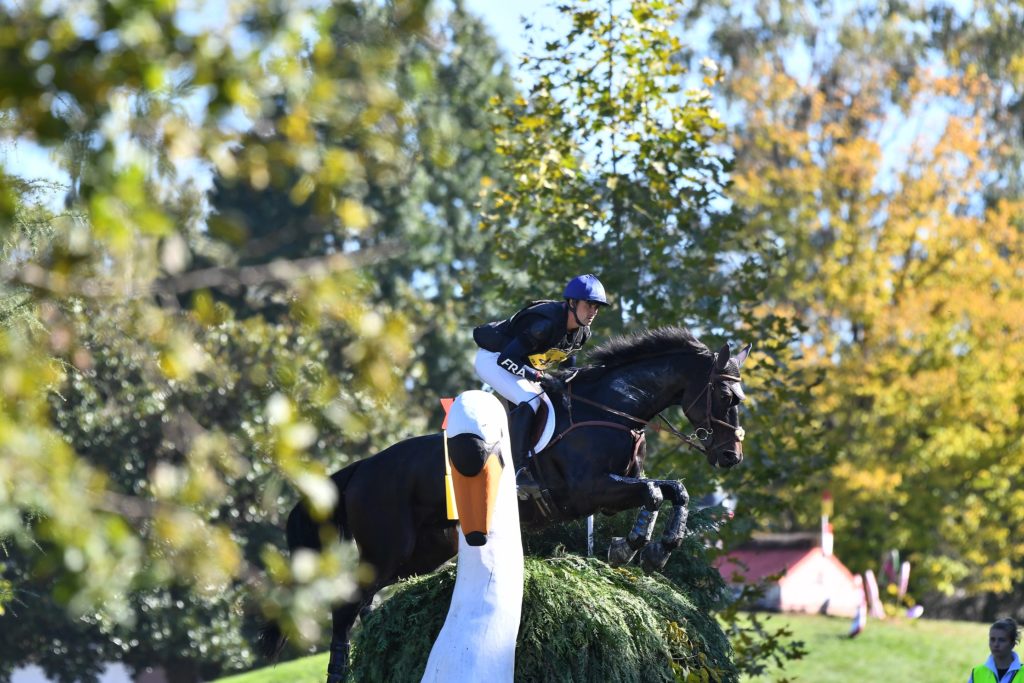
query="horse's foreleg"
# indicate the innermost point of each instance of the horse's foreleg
(622, 550)
(655, 555)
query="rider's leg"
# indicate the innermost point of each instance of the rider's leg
(525, 396)
(520, 421)
(512, 388)
(520, 424)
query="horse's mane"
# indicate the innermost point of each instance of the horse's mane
(619, 351)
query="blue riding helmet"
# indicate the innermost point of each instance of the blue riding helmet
(586, 288)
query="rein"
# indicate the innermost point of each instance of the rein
(647, 423)
(695, 440)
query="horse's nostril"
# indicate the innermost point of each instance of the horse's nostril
(730, 458)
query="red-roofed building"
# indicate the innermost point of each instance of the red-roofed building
(812, 580)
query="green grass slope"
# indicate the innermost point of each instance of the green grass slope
(891, 650)
(306, 670)
(897, 649)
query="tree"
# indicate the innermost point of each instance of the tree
(903, 270)
(613, 167)
(218, 377)
(137, 94)
(424, 209)
(618, 167)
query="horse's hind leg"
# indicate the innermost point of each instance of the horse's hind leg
(655, 555)
(342, 619)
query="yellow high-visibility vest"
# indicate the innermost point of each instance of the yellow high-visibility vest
(983, 674)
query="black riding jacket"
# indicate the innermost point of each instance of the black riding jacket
(534, 339)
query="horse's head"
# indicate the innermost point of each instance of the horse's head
(713, 408)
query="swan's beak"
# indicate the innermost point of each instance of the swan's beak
(476, 492)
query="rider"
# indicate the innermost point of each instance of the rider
(514, 353)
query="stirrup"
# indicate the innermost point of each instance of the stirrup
(527, 487)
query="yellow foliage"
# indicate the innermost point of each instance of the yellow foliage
(913, 300)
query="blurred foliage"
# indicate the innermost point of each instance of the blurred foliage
(217, 447)
(884, 167)
(144, 444)
(424, 210)
(205, 375)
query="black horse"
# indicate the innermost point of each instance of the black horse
(392, 504)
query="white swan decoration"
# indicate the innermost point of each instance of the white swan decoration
(478, 640)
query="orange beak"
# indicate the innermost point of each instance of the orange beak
(476, 497)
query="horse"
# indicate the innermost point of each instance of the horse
(392, 504)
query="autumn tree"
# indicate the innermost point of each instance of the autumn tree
(872, 170)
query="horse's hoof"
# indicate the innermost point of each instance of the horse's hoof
(654, 557)
(619, 552)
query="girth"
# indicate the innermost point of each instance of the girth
(544, 502)
(639, 439)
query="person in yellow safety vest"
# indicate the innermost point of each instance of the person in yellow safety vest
(1003, 664)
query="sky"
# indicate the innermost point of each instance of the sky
(28, 160)
(503, 18)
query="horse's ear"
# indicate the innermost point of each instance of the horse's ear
(742, 355)
(722, 357)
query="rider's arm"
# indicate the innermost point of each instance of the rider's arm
(513, 357)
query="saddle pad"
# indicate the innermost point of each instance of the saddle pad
(544, 429)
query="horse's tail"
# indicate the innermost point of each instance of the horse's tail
(303, 532)
(269, 641)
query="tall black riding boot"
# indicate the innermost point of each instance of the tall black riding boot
(520, 421)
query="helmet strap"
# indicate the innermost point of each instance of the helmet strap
(573, 309)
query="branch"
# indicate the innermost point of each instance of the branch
(276, 271)
(39, 278)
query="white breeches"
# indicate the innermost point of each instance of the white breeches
(512, 388)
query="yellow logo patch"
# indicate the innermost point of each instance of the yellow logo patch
(543, 361)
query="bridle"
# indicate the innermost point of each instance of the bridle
(707, 431)
(699, 437)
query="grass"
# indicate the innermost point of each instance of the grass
(894, 650)
(306, 670)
